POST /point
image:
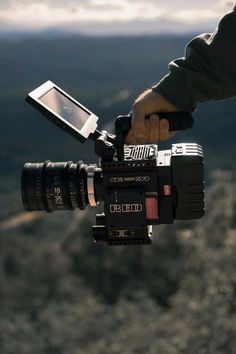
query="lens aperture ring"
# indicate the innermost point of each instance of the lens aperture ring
(43, 191)
(73, 185)
(81, 183)
(77, 185)
(66, 189)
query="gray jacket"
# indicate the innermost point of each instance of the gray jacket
(208, 70)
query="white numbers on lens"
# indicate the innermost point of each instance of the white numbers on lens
(57, 196)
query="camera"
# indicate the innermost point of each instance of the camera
(137, 186)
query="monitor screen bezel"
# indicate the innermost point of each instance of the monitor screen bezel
(81, 134)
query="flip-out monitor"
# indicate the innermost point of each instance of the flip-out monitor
(63, 110)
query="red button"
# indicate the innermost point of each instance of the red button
(151, 209)
(167, 189)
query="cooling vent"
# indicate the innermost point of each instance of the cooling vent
(186, 149)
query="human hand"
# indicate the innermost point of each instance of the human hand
(152, 129)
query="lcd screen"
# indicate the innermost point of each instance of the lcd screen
(66, 108)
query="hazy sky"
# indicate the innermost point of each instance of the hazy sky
(110, 16)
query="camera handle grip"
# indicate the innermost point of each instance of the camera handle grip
(177, 121)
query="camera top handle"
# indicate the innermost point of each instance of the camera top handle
(106, 145)
(177, 121)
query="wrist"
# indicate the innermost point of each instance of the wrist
(161, 103)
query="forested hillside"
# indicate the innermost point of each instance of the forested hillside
(60, 294)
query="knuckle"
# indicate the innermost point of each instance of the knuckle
(136, 106)
(137, 124)
(154, 117)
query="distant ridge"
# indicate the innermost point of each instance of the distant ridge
(119, 28)
(59, 33)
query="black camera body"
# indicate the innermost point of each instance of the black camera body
(137, 185)
(149, 188)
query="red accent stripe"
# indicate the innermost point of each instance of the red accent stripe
(151, 209)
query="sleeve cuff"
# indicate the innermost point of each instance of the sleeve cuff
(177, 91)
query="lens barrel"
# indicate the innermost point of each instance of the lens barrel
(57, 185)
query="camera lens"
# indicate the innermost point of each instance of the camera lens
(57, 185)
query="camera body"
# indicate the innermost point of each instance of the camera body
(138, 186)
(149, 187)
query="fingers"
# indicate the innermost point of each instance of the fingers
(130, 138)
(165, 134)
(154, 130)
(150, 131)
(139, 127)
(158, 130)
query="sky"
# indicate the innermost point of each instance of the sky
(104, 17)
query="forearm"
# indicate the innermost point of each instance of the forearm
(208, 70)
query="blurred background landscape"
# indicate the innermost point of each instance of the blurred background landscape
(60, 294)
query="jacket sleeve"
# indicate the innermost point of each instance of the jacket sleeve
(208, 70)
